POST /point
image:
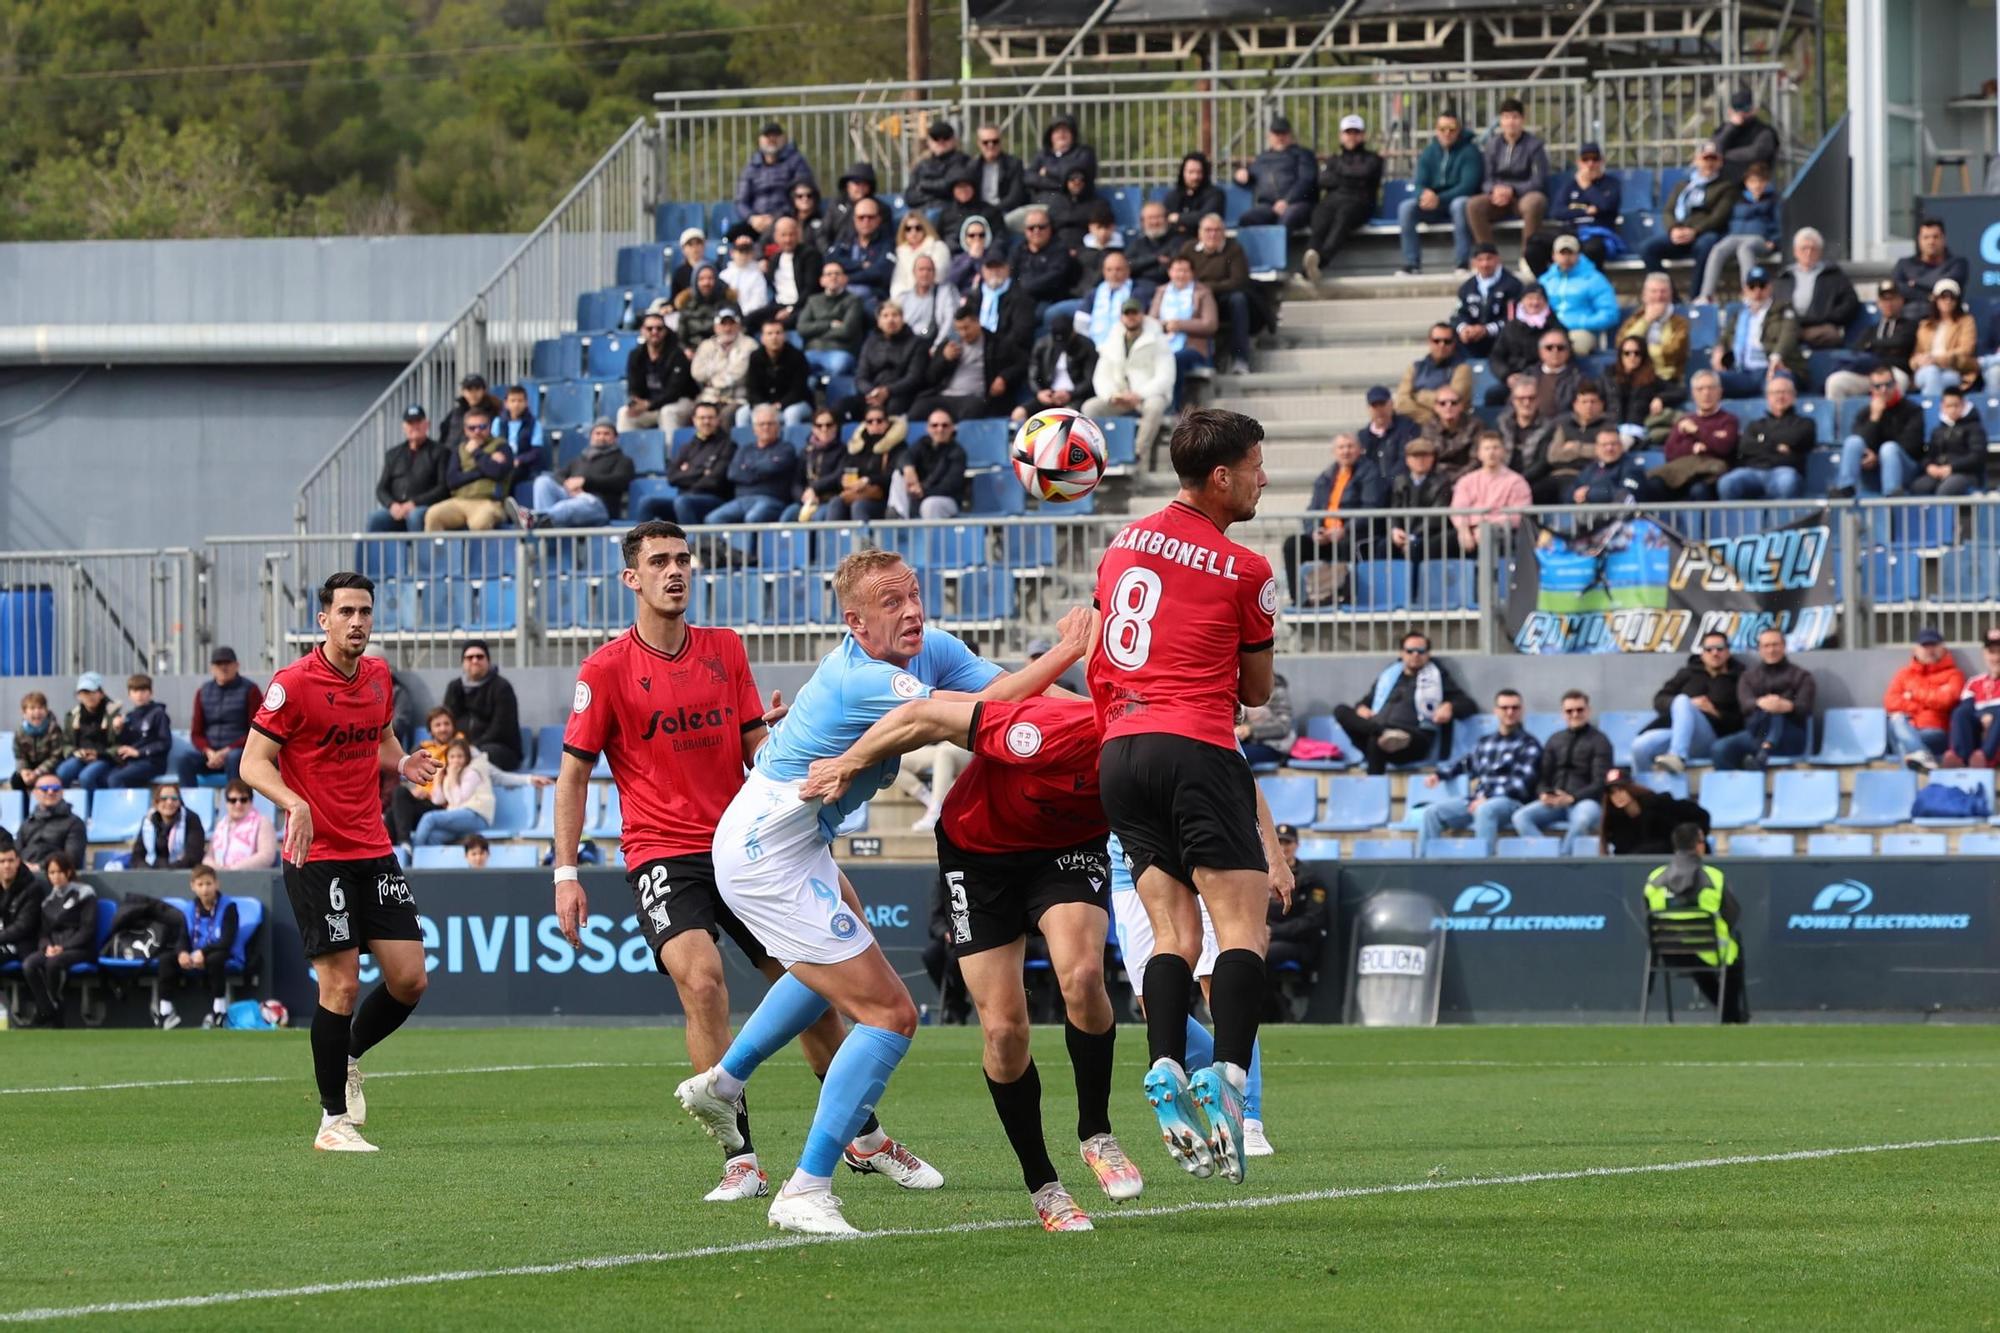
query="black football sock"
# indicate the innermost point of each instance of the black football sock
(1236, 999)
(329, 1047)
(1020, 1106)
(379, 1015)
(1167, 985)
(1090, 1057)
(742, 1127)
(869, 1126)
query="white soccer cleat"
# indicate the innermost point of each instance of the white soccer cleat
(742, 1179)
(339, 1135)
(1058, 1211)
(710, 1111)
(895, 1161)
(357, 1104)
(1116, 1172)
(811, 1212)
(1254, 1142)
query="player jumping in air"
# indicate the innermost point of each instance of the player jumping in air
(317, 749)
(675, 711)
(1189, 623)
(1020, 844)
(774, 863)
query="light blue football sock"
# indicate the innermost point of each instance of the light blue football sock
(1253, 1087)
(788, 1008)
(1200, 1047)
(854, 1084)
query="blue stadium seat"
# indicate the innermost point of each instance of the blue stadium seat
(548, 360)
(12, 806)
(446, 857)
(1124, 201)
(1292, 800)
(567, 403)
(548, 753)
(1543, 725)
(647, 488)
(487, 606)
(799, 597)
(1236, 200)
(1635, 189)
(1354, 804)
(1264, 247)
(1803, 799)
(1840, 844)
(1882, 797)
(1447, 585)
(1621, 727)
(607, 819)
(1121, 440)
(1324, 728)
(647, 449)
(646, 265)
(1419, 794)
(782, 549)
(1850, 736)
(1466, 732)
(117, 812)
(671, 219)
(1328, 849)
(1394, 192)
(1733, 799)
(1931, 845)
(514, 856)
(1383, 849)
(734, 598)
(607, 353)
(1979, 844)
(985, 441)
(1761, 844)
(513, 812)
(1704, 327)
(1381, 585)
(1970, 779)
(1969, 574)
(998, 493)
(1518, 849)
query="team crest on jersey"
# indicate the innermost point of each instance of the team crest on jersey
(717, 672)
(1267, 600)
(1024, 739)
(843, 926)
(906, 686)
(274, 698)
(336, 927)
(375, 690)
(582, 700)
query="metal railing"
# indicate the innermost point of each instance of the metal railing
(532, 296)
(63, 612)
(1654, 117)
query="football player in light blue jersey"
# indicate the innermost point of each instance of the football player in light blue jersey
(774, 865)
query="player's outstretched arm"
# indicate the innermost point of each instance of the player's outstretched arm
(1076, 631)
(572, 795)
(904, 728)
(259, 768)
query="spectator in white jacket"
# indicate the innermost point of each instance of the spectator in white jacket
(1135, 374)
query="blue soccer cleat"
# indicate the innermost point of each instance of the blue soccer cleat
(1221, 1105)
(1182, 1125)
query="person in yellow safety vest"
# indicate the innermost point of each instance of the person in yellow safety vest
(1688, 887)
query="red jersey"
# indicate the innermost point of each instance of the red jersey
(1032, 782)
(1180, 602)
(330, 732)
(672, 729)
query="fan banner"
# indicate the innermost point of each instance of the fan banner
(1634, 585)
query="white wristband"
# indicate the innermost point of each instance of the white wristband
(565, 874)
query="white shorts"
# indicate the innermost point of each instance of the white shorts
(1135, 938)
(777, 874)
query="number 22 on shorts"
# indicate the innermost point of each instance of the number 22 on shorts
(1128, 630)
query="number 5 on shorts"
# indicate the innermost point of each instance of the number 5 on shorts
(1128, 630)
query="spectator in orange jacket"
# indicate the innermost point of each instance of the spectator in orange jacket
(1920, 698)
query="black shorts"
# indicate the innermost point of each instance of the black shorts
(343, 905)
(995, 897)
(1181, 805)
(676, 894)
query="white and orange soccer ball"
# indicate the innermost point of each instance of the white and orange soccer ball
(275, 1014)
(1059, 455)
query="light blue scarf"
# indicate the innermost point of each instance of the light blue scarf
(1430, 689)
(1176, 303)
(989, 304)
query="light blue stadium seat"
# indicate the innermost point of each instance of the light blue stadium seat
(1803, 799)
(1466, 732)
(1236, 200)
(1293, 800)
(201, 802)
(1121, 440)
(1125, 201)
(1543, 725)
(1850, 736)
(1635, 188)
(448, 857)
(1354, 804)
(514, 856)
(607, 353)
(12, 806)
(1840, 844)
(1969, 779)
(1394, 192)
(985, 441)
(1979, 844)
(1586, 847)
(1621, 727)
(513, 812)
(607, 819)
(1447, 585)
(487, 605)
(1761, 844)
(1930, 845)
(1328, 849)
(1382, 849)
(117, 812)
(1518, 849)
(1324, 728)
(1881, 797)
(1419, 794)
(1264, 247)
(1381, 585)
(567, 403)
(1733, 799)
(548, 752)
(998, 493)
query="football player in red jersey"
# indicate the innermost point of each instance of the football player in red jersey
(674, 709)
(1189, 625)
(317, 749)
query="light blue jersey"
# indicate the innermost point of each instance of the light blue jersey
(850, 692)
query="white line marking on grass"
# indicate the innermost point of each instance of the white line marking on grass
(295, 1078)
(958, 1229)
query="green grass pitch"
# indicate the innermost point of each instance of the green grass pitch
(1407, 1148)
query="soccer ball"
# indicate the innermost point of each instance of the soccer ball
(1059, 455)
(275, 1014)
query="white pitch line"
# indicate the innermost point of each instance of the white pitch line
(295, 1078)
(960, 1228)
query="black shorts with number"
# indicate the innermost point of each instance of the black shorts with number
(1181, 805)
(996, 896)
(344, 905)
(676, 894)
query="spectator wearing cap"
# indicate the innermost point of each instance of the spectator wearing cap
(1582, 297)
(1887, 343)
(1449, 172)
(1585, 204)
(1920, 699)
(1386, 431)
(473, 395)
(659, 384)
(1759, 339)
(722, 362)
(1298, 929)
(1002, 179)
(1442, 366)
(1954, 462)
(744, 276)
(1947, 350)
(1975, 737)
(931, 480)
(1817, 290)
(1743, 137)
(1516, 168)
(792, 266)
(965, 206)
(223, 707)
(866, 253)
(517, 428)
(1517, 347)
(1267, 731)
(694, 253)
(586, 492)
(931, 177)
(1696, 216)
(1135, 373)
(833, 323)
(92, 727)
(1186, 313)
(1417, 492)
(1282, 179)
(145, 737)
(412, 477)
(1915, 274)
(1485, 301)
(763, 474)
(1755, 232)
(764, 189)
(972, 373)
(778, 376)
(1772, 452)
(476, 475)
(1350, 186)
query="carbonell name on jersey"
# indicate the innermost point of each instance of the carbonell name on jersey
(1175, 551)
